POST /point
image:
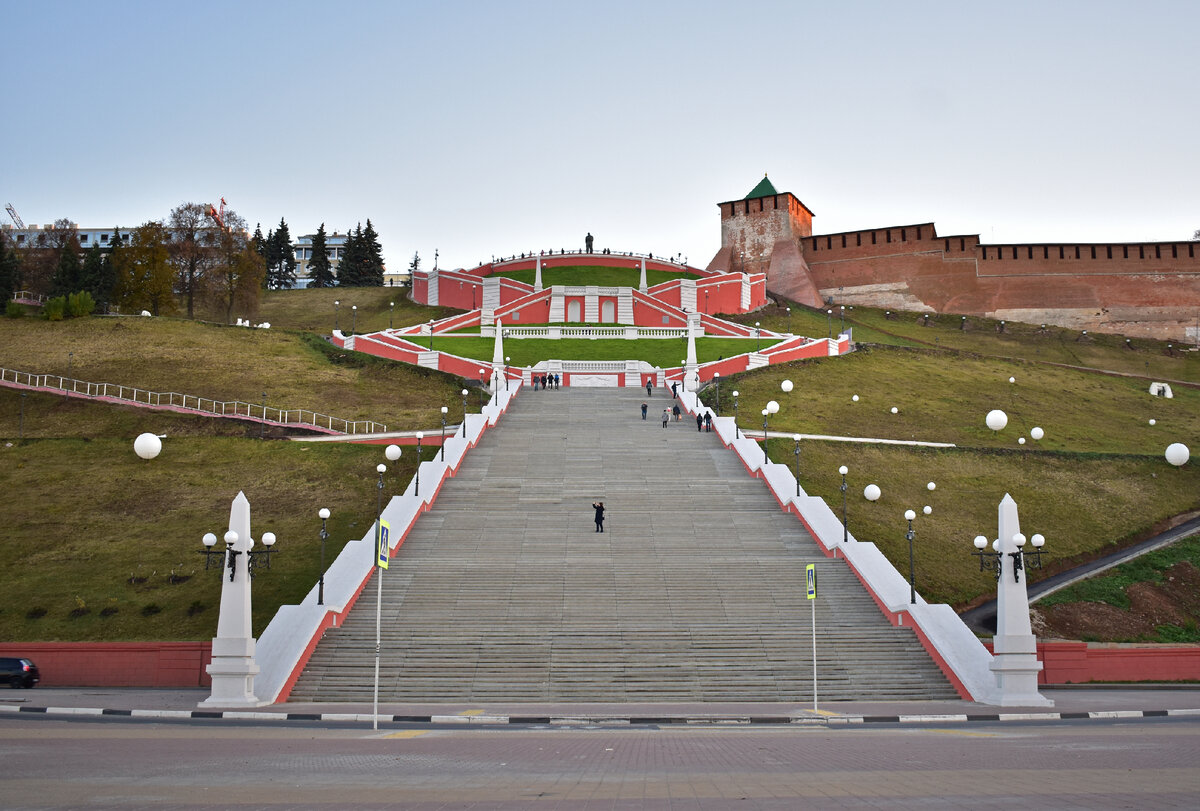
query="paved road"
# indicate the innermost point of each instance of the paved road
(49, 763)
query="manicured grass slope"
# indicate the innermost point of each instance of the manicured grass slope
(294, 370)
(95, 530)
(663, 352)
(595, 274)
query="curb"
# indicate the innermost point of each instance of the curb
(832, 720)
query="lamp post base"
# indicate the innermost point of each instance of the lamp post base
(232, 671)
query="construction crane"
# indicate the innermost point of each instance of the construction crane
(218, 216)
(16, 218)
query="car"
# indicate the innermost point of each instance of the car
(18, 672)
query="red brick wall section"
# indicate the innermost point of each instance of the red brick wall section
(1083, 662)
(117, 664)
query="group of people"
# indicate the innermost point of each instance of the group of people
(546, 381)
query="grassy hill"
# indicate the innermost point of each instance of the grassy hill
(103, 545)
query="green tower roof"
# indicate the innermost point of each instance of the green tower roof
(763, 189)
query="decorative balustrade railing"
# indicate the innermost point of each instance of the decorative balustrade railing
(190, 402)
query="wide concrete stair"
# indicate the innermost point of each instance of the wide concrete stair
(694, 592)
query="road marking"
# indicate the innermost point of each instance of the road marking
(407, 733)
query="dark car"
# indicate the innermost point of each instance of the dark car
(18, 672)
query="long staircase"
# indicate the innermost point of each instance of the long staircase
(694, 592)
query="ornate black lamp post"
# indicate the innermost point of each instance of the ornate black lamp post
(845, 532)
(796, 451)
(324, 516)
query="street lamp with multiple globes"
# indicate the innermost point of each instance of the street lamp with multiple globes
(323, 514)
(229, 555)
(1021, 558)
(445, 410)
(845, 532)
(796, 439)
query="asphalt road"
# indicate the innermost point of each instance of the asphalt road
(106, 762)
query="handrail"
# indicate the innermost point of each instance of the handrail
(28, 295)
(190, 403)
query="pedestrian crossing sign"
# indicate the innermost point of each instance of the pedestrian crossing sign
(382, 545)
(810, 579)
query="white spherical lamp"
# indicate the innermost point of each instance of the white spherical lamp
(909, 515)
(1037, 433)
(981, 542)
(895, 410)
(772, 406)
(872, 492)
(1178, 454)
(1153, 421)
(1021, 440)
(927, 509)
(996, 419)
(392, 452)
(1012, 380)
(931, 486)
(147, 446)
(786, 386)
(854, 398)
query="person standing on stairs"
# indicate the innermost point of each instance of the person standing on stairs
(666, 417)
(649, 387)
(708, 421)
(599, 507)
(645, 408)
(699, 422)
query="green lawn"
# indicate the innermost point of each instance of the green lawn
(661, 352)
(104, 546)
(598, 275)
(295, 370)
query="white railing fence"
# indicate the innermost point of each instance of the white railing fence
(190, 402)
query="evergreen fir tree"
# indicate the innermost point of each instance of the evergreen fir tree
(373, 267)
(112, 269)
(350, 269)
(320, 269)
(10, 269)
(281, 264)
(93, 271)
(66, 273)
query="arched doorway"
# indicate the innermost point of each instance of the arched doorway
(608, 312)
(573, 311)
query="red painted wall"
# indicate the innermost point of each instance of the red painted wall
(1082, 662)
(117, 664)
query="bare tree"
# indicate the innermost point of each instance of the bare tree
(238, 274)
(192, 242)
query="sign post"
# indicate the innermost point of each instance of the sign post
(810, 581)
(382, 550)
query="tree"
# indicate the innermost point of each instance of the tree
(112, 261)
(414, 265)
(91, 275)
(280, 259)
(146, 276)
(66, 270)
(191, 235)
(240, 269)
(373, 251)
(10, 269)
(351, 266)
(320, 269)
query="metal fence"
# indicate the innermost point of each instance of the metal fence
(292, 417)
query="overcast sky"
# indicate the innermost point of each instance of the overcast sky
(481, 128)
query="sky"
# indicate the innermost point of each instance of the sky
(491, 128)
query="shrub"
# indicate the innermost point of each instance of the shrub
(150, 609)
(109, 611)
(54, 309)
(14, 309)
(35, 613)
(80, 304)
(195, 608)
